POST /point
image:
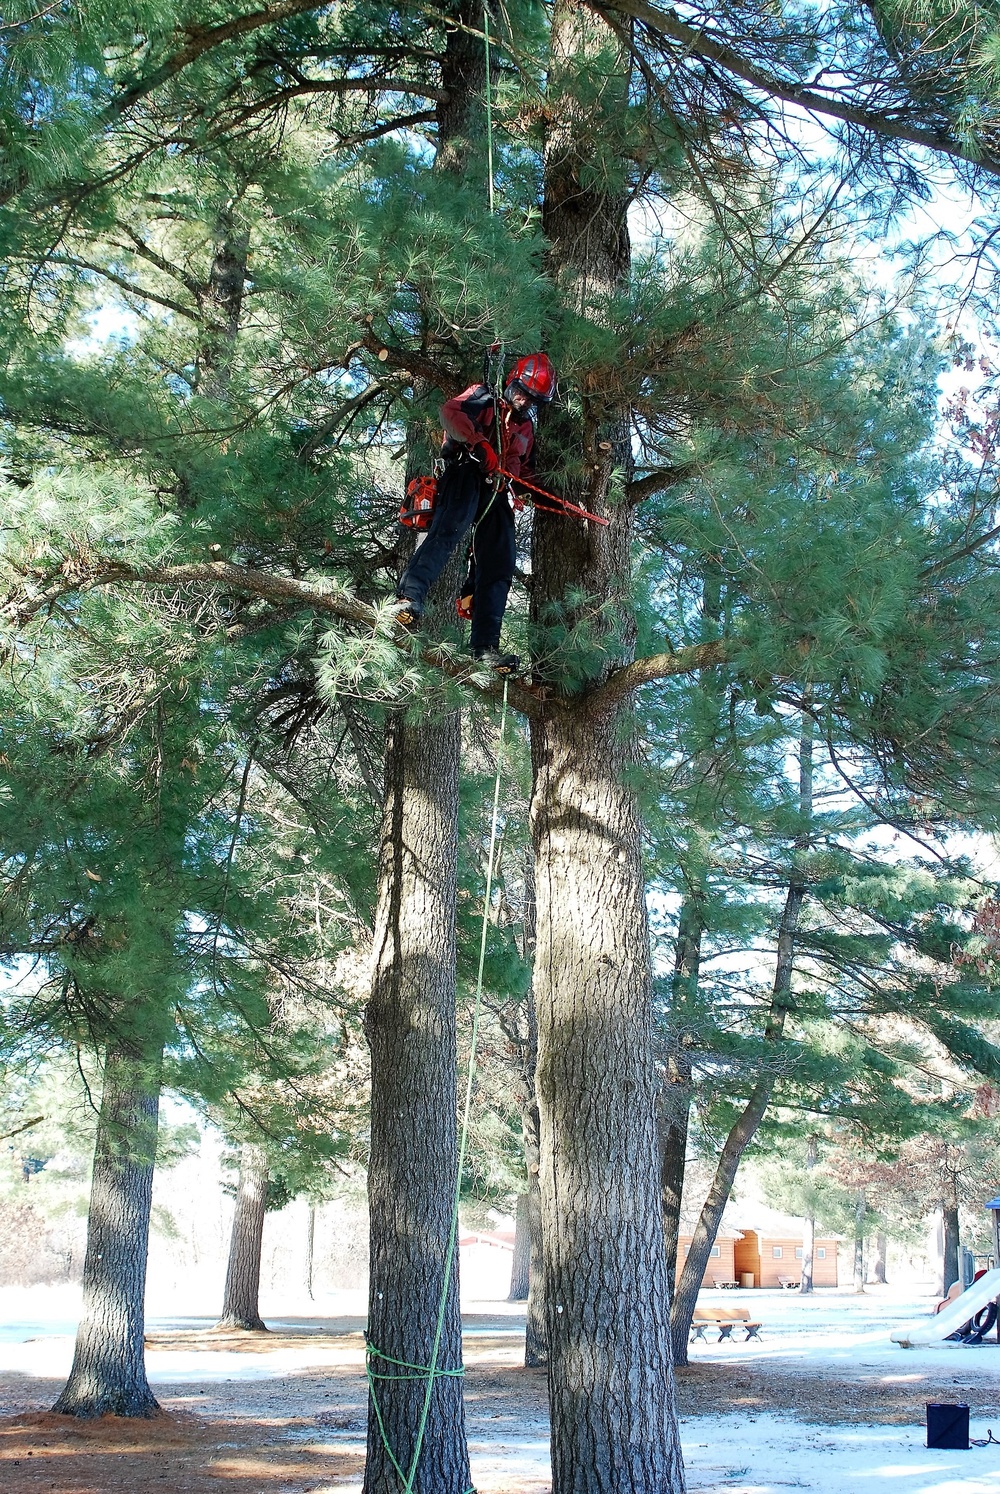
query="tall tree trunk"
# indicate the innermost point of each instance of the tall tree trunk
(310, 1249)
(611, 1397)
(860, 1214)
(673, 1115)
(536, 1343)
(676, 1088)
(240, 1303)
(611, 1389)
(520, 1268)
(747, 1123)
(949, 1210)
(536, 1347)
(410, 1024)
(410, 1020)
(108, 1376)
(223, 306)
(707, 1227)
(881, 1254)
(809, 1233)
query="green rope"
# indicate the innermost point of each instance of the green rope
(489, 105)
(430, 1372)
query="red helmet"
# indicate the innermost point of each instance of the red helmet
(536, 376)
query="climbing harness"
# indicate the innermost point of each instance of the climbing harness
(400, 1369)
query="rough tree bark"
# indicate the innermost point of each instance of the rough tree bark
(410, 1024)
(536, 1344)
(860, 1214)
(240, 1303)
(676, 1088)
(881, 1254)
(809, 1233)
(611, 1389)
(310, 1249)
(108, 1376)
(949, 1210)
(410, 1020)
(610, 1384)
(222, 304)
(747, 1123)
(520, 1266)
(535, 1340)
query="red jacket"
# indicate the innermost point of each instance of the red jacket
(468, 420)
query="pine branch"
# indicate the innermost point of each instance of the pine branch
(37, 1121)
(964, 553)
(196, 288)
(200, 40)
(369, 84)
(401, 122)
(38, 594)
(699, 43)
(413, 362)
(659, 481)
(139, 292)
(658, 667)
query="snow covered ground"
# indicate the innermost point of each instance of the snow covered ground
(835, 1336)
(840, 1335)
(770, 1455)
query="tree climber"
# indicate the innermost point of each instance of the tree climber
(474, 489)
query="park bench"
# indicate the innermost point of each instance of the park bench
(723, 1284)
(725, 1319)
(788, 1283)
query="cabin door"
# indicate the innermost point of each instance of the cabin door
(746, 1257)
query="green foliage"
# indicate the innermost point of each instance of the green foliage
(188, 773)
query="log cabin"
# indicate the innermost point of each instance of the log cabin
(767, 1253)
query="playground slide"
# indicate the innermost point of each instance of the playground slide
(934, 1330)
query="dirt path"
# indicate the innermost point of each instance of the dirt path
(304, 1431)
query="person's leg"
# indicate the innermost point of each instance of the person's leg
(457, 499)
(467, 590)
(495, 551)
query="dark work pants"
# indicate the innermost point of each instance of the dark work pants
(463, 498)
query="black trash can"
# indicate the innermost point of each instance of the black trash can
(948, 1425)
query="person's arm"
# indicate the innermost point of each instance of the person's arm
(465, 416)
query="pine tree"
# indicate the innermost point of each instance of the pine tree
(682, 346)
(240, 1301)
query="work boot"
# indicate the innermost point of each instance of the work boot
(406, 612)
(499, 663)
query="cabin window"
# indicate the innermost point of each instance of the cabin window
(798, 1252)
(687, 1249)
(715, 1252)
(776, 1252)
(821, 1253)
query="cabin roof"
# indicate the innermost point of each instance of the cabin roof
(771, 1224)
(747, 1214)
